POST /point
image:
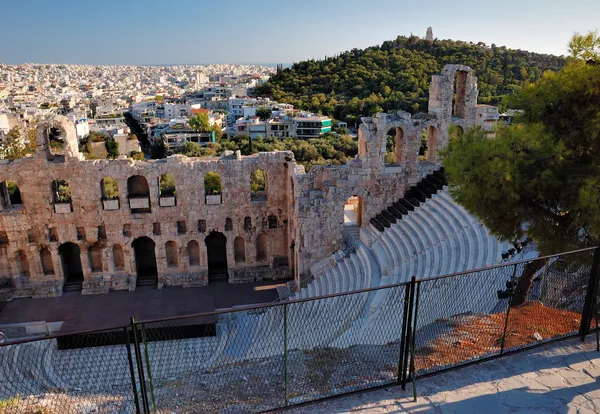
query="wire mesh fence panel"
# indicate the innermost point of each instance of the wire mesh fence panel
(340, 344)
(460, 318)
(231, 361)
(69, 374)
(552, 308)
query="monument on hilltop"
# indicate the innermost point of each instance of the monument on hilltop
(429, 34)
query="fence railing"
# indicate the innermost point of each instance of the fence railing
(263, 357)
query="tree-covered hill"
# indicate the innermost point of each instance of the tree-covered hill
(396, 75)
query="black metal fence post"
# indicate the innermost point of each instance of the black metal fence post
(131, 370)
(140, 366)
(408, 337)
(508, 306)
(590, 296)
(413, 345)
(147, 357)
(403, 334)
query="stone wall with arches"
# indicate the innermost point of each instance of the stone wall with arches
(285, 222)
(97, 223)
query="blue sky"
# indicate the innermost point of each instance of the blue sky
(265, 31)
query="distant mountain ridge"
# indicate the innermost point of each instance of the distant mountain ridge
(396, 75)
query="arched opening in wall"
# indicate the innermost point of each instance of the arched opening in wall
(56, 140)
(95, 257)
(258, 185)
(261, 248)
(212, 188)
(138, 193)
(239, 249)
(166, 190)
(171, 254)
(394, 146)
(61, 194)
(216, 253)
(353, 212)
(110, 193)
(10, 195)
(459, 102)
(46, 260)
(454, 132)
(145, 261)
(70, 259)
(432, 143)
(194, 253)
(118, 257)
(23, 263)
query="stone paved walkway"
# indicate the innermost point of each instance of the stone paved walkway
(84, 312)
(558, 378)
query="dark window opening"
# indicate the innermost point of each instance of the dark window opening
(272, 222)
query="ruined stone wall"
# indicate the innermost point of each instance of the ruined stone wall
(36, 225)
(320, 195)
(306, 209)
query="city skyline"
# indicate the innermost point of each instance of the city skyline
(194, 33)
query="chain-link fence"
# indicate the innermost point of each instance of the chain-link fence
(67, 374)
(263, 357)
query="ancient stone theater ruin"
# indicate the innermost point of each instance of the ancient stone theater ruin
(103, 225)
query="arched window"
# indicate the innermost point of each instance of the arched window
(166, 190)
(258, 185)
(212, 188)
(46, 259)
(455, 132)
(212, 183)
(23, 263)
(194, 253)
(137, 186)
(390, 146)
(459, 101)
(110, 188)
(118, 257)
(261, 248)
(95, 258)
(138, 193)
(61, 191)
(239, 249)
(171, 252)
(431, 147)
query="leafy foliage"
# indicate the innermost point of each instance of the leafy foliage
(541, 174)
(17, 144)
(212, 183)
(263, 113)
(110, 188)
(397, 74)
(62, 192)
(258, 180)
(328, 149)
(199, 122)
(166, 185)
(586, 47)
(137, 155)
(112, 149)
(95, 136)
